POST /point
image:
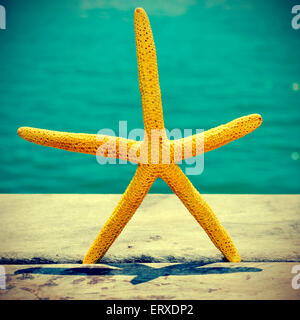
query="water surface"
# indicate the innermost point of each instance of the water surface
(71, 66)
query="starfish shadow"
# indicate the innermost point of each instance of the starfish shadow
(142, 273)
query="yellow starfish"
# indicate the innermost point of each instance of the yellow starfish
(150, 156)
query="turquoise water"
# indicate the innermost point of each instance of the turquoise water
(71, 66)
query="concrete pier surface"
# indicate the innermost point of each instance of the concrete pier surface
(161, 254)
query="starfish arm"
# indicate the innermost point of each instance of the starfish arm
(113, 147)
(216, 137)
(201, 211)
(148, 72)
(129, 203)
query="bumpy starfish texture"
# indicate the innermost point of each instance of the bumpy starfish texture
(149, 156)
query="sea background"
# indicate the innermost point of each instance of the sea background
(70, 65)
